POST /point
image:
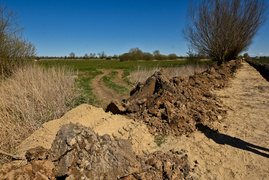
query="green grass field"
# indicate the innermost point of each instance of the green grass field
(261, 60)
(89, 69)
(94, 64)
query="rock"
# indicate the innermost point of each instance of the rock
(38, 153)
(170, 165)
(115, 107)
(147, 89)
(35, 170)
(78, 152)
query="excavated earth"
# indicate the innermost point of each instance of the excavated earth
(88, 143)
(175, 106)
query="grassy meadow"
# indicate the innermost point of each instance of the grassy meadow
(261, 60)
(95, 64)
(87, 69)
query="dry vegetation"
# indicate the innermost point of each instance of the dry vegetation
(30, 97)
(142, 74)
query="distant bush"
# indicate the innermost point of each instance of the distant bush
(160, 57)
(147, 56)
(136, 54)
(172, 56)
(125, 57)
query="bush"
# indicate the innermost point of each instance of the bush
(125, 57)
(172, 56)
(147, 56)
(160, 57)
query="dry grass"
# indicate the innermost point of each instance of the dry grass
(30, 97)
(141, 75)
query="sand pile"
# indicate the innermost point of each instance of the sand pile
(174, 106)
(116, 126)
(79, 153)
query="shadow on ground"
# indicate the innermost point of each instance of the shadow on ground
(232, 141)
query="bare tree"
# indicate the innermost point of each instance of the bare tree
(156, 52)
(222, 29)
(72, 55)
(102, 55)
(14, 49)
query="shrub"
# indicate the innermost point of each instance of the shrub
(172, 56)
(160, 57)
(147, 56)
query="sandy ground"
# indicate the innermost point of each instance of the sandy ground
(101, 122)
(103, 93)
(240, 149)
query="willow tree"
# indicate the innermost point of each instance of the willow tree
(222, 29)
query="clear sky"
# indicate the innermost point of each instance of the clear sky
(58, 27)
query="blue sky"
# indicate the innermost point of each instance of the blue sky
(58, 27)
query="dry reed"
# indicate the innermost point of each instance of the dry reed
(31, 96)
(142, 74)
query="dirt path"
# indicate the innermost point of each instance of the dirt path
(240, 149)
(103, 93)
(118, 80)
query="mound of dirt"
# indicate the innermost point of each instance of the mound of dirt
(174, 106)
(79, 153)
(261, 67)
(117, 126)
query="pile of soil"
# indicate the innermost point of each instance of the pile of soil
(79, 153)
(175, 106)
(261, 67)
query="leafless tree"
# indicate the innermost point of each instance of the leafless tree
(222, 29)
(102, 55)
(156, 52)
(14, 49)
(72, 55)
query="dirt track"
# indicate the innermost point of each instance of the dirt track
(239, 150)
(103, 93)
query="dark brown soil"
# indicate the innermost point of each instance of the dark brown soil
(175, 106)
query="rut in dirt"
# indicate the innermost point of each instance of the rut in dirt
(105, 94)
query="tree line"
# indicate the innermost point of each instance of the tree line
(136, 54)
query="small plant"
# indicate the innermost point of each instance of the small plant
(160, 139)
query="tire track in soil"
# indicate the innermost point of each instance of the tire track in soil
(102, 92)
